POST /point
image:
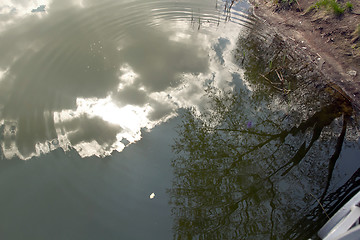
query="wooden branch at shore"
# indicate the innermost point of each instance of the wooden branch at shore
(273, 85)
(280, 76)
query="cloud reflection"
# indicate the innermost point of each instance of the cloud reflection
(71, 81)
(158, 61)
(85, 128)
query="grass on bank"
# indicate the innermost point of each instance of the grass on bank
(331, 5)
(349, 6)
(328, 4)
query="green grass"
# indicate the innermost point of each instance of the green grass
(349, 6)
(331, 5)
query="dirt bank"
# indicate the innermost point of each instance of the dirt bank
(327, 39)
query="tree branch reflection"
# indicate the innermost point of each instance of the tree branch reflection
(240, 180)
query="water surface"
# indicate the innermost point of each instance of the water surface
(103, 104)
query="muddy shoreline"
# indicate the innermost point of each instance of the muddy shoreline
(340, 71)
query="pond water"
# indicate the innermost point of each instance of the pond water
(164, 119)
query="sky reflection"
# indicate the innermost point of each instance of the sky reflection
(91, 77)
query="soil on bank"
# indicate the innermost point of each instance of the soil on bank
(330, 41)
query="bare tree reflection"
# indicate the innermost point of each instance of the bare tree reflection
(244, 171)
(257, 160)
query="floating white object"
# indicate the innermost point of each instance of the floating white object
(152, 195)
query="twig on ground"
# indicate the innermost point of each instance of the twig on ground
(280, 76)
(273, 85)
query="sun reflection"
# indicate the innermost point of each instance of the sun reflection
(130, 119)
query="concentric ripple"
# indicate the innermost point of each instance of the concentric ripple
(91, 76)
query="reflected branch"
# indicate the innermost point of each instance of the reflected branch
(229, 175)
(335, 156)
